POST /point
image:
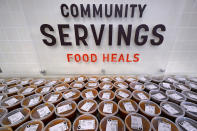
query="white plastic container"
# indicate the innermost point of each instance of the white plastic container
(190, 109)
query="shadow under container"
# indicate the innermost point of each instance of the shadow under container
(107, 108)
(92, 85)
(118, 79)
(66, 109)
(59, 123)
(13, 102)
(144, 123)
(81, 78)
(127, 106)
(72, 94)
(5, 129)
(140, 95)
(191, 96)
(106, 86)
(32, 125)
(192, 85)
(27, 91)
(89, 94)
(78, 85)
(136, 86)
(53, 98)
(149, 109)
(15, 118)
(112, 121)
(32, 101)
(38, 82)
(87, 106)
(120, 85)
(43, 112)
(164, 86)
(93, 78)
(131, 79)
(106, 79)
(190, 110)
(158, 96)
(186, 124)
(86, 119)
(181, 87)
(176, 97)
(61, 87)
(44, 90)
(67, 80)
(162, 123)
(149, 86)
(171, 110)
(106, 95)
(122, 94)
(12, 90)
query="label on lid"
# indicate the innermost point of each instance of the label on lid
(119, 79)
(159, 96)
(53, 97)
(25, 82)
(11, 101)
(60, 88)
(45, 89)
(86, 125)
(122, 85)
(142, 96)
(106, 86)
(51, 83)
(175, 96)
(64, 108)
(142, 78)
(2, 88)
(39, 82)
(112, 125)
(28, 90)
(170, 109)
(44, 111)
(150, 109)
(89, 94)
(106, 95)
(191, 108)
(166, 85)
(138, 87)
(151, 87)
(59, 127)
(66, 79)
(123, 94)
(182, 87)
(188, 126)
(128, 106)
(69, 94)
(163, 126)
(87, 106)
(92, 79)
(106, 79)
(136, 123)
(108, 107)
(32, 127)
(80, 79)
(16, 117)
(34, 101)
(13, 89)
(1, 98)
(77, 85)
(192, 95)
(92, 84)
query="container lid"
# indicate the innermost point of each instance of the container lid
(25, 81)
(131, 79)
(33, 125)
(87, 106)
(181, 87)
(3, 112)
(127, 106)
(119, 79)
(192, 85)
(67, 79)
(59, 124)
(106, 95)
(193, 79)
(38, 82)
(32, 100)
(121, 85)
(81, 78)
(12, 89)
(52, 82)
(158, 95)
(71, 94)
(105, 79)
(157, 79)
(77, 85)
(89, 94)
(108, 108)
(27, 90)
(93, 78)
(176, 96)
(61, 87)
(91, 84)
(181, 79)
(44, 90)
(144, 78)
(106, 86)
(151, 86)
(190, 95)
(123, 93)
(12, 81)
(166, 86)
(3, 87)
(190, 108)
(141, 95)
(186, 124)
(170, 79)
(136, 86)
(12, 101)
(53, 97)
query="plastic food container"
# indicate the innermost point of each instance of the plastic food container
(135, 121)
(12, 82)
(12, 90)
(191, 96)
(91, 85)
(25, 82)
(5, 129)
(2, 80)
(190, 109)
(140, 95)
(112, 122)
(43, 112)
(149, 86)
(164, 124)
(106, 86)
(164, 86)
(158, 96)
(66, 109)
(59, 124)
(127, 106)
(38, 82)
(15, 118)
(81, 78)
(149, 109)
(123, 94)
(192, 85)
(136, 86)
(143, 79)
(131, 79)
(85, 122)
(3, 96)
(106, 79)
(53, 97)
(12, 102)
(107, 108)
(186, 124)
(72, 94)
(67, 80)
(170, 80)
(61, 87)
(87, 106)
(33, 125)
(106, 95)
(157, 79)
(32, 101)
(89, 94)
(119, 79)
(93, 78)
(3, 112)
(52, 83)
(180, 79)
(172, 110)
(193, 79)
(44, 90)
(175, 96)
(122, 85)
(77, 85)
(28, 90)
(181, 87)
(2, 87)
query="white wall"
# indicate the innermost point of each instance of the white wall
(18, 55)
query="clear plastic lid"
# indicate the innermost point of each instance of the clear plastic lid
(108, 108)
(140, 95)
(12, 81)
(180, 79)
(136, 86)
(151, 86)
(170, 79)
(89, 94)
(3, 112)
(123, 94)
(131, 79)
(165, 86)
(91, 85)
(61, 87)
(106, 95)
(71, 94)
(12, 89)
(32, 125)
(25, 81)
(53, 97)
(192, 85)
(158, 96)
(93, 78)
(119, 78)
(190, 109)
(12, 101)
(128, 106)
(79, 85)
(181, 87)
(106, 86)
(106, 79)
(157, 78)
(3, 87)
(38, 82)
(44, 90)
(81, 78)
(186, 124)
(32, 100)
(28, 90)
(175, 96)
(52, 82)
(144, 78)
(121, 85)
(191, 95)
(87, 106)
(67, 79)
